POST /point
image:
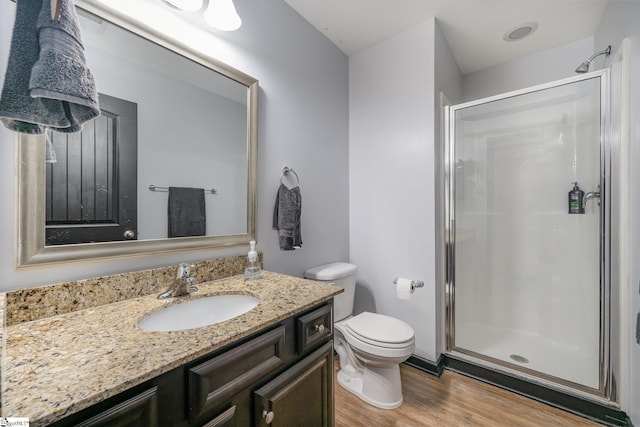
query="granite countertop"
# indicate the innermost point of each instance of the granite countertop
(60, 365)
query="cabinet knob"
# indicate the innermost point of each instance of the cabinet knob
(129, 234)
(319, 328)
(268, 416)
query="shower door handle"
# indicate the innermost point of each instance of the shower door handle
(591, 195)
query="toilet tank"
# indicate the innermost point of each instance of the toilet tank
(342, 274)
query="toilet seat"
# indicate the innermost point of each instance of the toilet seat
(380, 330)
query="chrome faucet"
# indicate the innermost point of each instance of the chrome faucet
(591, 195)
(182, 284)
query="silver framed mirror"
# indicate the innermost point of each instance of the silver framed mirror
(32, 216)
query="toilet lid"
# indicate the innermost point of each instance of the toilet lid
(380, 328)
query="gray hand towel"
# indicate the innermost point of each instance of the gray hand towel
(47, 83)
(286, 217)
(186, 212)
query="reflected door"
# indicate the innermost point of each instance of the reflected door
(526, 271)
(91, 185)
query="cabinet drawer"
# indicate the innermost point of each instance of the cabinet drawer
(213, 382)
(314, 327)
(139, 410)
(224, 419)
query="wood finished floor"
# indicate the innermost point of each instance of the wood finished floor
(451, 400)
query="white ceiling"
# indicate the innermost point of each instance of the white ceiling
(473, 28)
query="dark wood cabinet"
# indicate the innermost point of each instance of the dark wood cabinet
(301, 396)
(219, 379)
(285, 369)
(225, 419)
(314, 328)
(140, 410)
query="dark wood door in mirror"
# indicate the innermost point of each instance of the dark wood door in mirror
(91, 191)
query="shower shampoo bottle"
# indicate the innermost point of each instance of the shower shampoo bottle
(576, 196)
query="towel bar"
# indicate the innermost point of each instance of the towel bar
(156, 188)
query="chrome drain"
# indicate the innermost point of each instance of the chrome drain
(518, 358)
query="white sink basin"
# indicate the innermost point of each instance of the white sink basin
(198, 312)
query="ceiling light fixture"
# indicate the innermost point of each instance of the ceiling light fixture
(222, 15)
(188, 5)
(520, 32)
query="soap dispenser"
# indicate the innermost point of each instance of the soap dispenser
(576, 196)
(252, 270)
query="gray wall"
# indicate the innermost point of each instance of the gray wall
(303, 123)
(542, 67)
(621, 21)
(392, 225)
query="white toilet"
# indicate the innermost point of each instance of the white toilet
(370, 346)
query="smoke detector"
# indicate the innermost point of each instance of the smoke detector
(520, 32)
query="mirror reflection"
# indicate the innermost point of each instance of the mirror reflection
(172, 119)
(166, 122)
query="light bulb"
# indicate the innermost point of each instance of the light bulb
(188, 5)
(222, 15)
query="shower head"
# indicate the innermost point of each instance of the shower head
(584, 67)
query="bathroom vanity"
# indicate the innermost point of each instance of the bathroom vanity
(270, 366)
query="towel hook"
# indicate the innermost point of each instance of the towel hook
(286, 171)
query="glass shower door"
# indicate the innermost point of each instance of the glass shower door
(526, 273)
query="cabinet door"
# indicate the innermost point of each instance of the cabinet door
(300, 396)
(215, 381)
(140, 410)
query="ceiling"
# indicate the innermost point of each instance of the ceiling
(473, 29)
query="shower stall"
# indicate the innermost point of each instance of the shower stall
(528, 269)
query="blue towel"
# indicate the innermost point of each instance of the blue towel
(286, 217)
(186, 212)
(47, 83)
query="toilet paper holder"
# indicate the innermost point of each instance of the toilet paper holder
(414, 283)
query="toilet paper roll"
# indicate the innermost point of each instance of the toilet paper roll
(403, 288)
